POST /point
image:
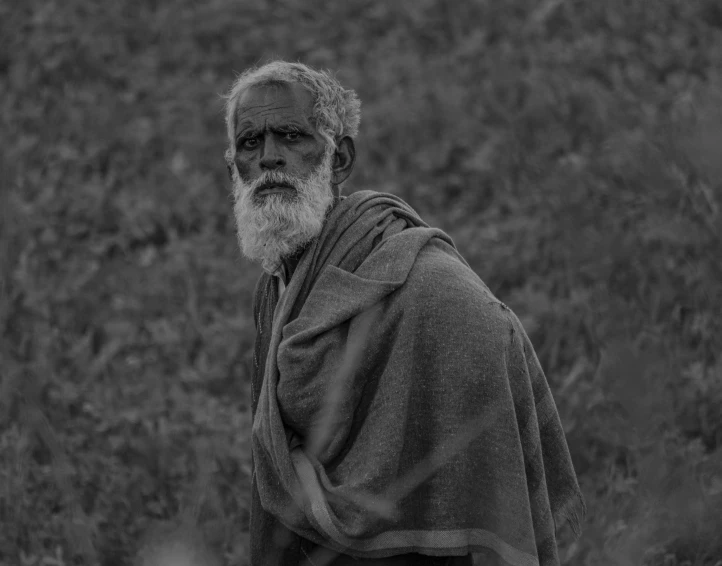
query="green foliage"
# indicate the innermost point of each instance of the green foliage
(570, 148)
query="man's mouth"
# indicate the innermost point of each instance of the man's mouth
(274, 188)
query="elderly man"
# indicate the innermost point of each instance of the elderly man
(400, 414)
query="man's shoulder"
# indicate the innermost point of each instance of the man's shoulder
(441, 280)
(439, 262)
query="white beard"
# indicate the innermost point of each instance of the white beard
(275, 226)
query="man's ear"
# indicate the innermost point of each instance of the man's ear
(344, 159)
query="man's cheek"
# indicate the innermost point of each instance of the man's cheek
(313, 159)
(244, 170)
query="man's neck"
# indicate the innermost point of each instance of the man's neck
(289, 266)
(290, 262)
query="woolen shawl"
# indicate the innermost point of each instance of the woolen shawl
(403, 408)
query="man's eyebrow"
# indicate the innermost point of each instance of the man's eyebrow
(247, 128)
(292, 126)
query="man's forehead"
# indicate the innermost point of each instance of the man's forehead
(281, 101)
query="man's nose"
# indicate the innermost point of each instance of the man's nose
(271, 156)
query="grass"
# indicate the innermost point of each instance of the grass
(570, 148)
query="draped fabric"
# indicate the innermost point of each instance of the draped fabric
(398, 406)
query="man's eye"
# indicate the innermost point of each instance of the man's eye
(292, 136)
(249, 143)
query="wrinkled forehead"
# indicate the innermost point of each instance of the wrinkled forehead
(274, 102)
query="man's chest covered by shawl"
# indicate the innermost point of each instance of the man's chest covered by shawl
(269, 288)
(270, 539)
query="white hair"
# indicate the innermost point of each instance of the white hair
(276, 226)
(336, 110)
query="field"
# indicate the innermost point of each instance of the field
(571, 148)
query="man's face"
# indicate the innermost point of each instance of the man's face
(274, 132)
(282, 182)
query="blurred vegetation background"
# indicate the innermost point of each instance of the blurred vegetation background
(572, 149)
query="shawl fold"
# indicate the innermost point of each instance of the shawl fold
(402, 407)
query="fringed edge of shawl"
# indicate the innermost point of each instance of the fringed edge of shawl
(572, 512)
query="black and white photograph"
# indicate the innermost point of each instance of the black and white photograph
(361, 283)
